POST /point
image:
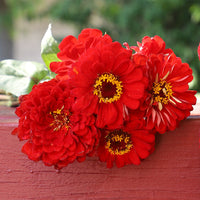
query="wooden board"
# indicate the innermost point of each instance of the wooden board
(172, 172)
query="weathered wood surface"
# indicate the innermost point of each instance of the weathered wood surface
(172, 172)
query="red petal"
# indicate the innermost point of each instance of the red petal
(84, 102)
(129, 102)
(134, 158)
(32, 151)
(143, 153)
(110, 161)
(135, 75)
(107, 114)
(142, 144)
(120, 161)
(107, 60)
(119, 119)
(68, 140)
(80, 149)
(81, 159)
(187, 97)
(180, 88)
(139, 60)
(66, 41)
(144, 135)
(15, 131)
(85, 33)
(134, 91)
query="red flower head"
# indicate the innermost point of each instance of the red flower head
(198, 51)
(169, 100)
(72, 48)
(127, 145)
(106, 81)
(56, 135)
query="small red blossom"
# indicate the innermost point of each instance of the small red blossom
(198, 51)
(168, 99)
(54, 133)
(107, 81)
(127, 145)
(72, 48)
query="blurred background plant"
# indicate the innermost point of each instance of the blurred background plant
(176, 21)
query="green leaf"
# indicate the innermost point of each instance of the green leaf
(49, 48)
(18, 77)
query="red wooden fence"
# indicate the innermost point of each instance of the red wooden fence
(172, 172)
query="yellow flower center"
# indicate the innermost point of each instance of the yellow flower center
(60, 119)
(118, 142)
(108, 88)
(161, 93)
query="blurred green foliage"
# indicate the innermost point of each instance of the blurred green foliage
(11, 9)
(176, 21)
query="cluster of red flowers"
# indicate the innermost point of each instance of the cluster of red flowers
(106, 100)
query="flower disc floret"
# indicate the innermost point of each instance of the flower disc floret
(118, 142)
(61, 119)
(108, 88)
(161, 93)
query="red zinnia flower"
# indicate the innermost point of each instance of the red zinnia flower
(106, 81)
(54, 133)
(72, 48)
(168, 99)
(127, 145)
(198, 51)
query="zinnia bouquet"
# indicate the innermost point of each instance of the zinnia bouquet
(99, 98)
